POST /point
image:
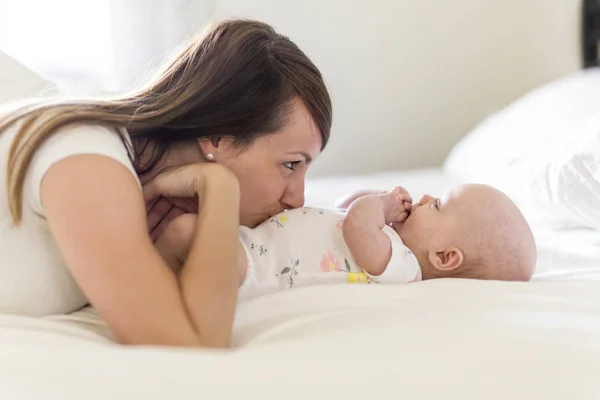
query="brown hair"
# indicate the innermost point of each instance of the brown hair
(238, 80)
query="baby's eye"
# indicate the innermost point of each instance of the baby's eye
(290, 164)
(436, 205)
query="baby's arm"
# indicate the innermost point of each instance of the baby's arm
(362, 227)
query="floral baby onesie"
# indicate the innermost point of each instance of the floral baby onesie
(305, 246)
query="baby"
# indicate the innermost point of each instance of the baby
(474, 231)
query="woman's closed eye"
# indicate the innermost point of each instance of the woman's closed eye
(291, 164)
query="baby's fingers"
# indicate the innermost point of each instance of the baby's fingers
(400, 214)
(401, 194)
(402, 217)
(397, 222)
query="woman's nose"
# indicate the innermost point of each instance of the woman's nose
(293, 197)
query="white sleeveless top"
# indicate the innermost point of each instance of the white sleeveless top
(34, 279)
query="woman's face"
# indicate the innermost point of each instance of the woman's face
(272, 170)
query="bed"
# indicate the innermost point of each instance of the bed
(435, 339)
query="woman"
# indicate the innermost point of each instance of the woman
(236, 117)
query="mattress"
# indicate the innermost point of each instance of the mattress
(435, 339)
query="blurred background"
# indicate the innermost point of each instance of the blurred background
(408, 78)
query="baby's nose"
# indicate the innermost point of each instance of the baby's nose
(425, 199)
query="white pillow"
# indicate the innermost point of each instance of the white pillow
(499, 150)
(561, 189)
(17, 81)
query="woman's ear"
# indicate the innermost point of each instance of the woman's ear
(209, 145)
(446, 260)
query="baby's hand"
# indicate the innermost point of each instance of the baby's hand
(397, 204)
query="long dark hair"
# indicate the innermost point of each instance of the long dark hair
(237, 80)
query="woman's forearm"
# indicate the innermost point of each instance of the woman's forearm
(209, 279)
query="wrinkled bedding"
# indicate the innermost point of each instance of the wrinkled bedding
(433, 339)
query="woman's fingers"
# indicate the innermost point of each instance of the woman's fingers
(151, 191)
(173, 213)
(157, 210)
(189, 204)
(162, 210)
(150, 203)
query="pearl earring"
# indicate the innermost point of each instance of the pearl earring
(210, 156)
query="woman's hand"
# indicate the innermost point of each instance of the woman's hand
(209, 277)
(162, 210)
(178, 191)
(176, 240)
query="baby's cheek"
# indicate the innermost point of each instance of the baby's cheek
(410, 230)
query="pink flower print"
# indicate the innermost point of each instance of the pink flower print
(339, 224)
(329, 263)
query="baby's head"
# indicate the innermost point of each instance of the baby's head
(474, 231)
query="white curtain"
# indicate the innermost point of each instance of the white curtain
(97, 44)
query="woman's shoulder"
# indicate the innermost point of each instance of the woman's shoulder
(87, 137)
(71, 140)
(84, 139)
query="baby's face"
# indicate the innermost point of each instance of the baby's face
(435, 221)
(473, 221)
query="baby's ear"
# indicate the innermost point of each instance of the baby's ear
(446, 260)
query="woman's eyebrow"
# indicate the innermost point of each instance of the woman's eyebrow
(306, 156)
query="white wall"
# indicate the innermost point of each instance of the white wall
(97, 44)
(410, 77)
(144, 32)
(59, 37)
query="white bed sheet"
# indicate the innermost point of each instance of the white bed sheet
(436, 339)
